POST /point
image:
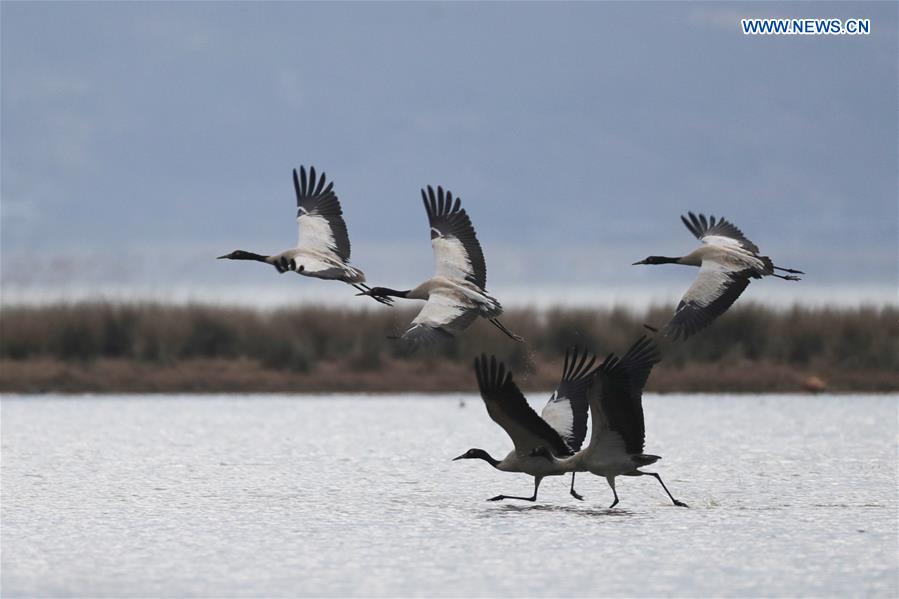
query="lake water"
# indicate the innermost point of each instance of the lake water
(350, 495)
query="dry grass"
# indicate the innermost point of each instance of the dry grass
(99, 347)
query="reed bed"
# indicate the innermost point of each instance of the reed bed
(153, 347)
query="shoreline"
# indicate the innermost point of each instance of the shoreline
(216, 376)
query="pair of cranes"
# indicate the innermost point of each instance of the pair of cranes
(456, 295)
(550, 444)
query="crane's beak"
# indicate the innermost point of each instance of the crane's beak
(363, 293)
(640, 262)
(225, 256)
(458, 458)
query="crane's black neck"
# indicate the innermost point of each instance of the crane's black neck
(663, 260)
(483, 455)
(244, 255)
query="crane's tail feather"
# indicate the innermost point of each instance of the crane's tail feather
(789, 270)
(645, 459)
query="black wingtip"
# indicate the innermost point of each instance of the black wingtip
(576, 364)
(608, 363)
(424, 200)
(296, 183)
(322, 179)
(645, 349)
(478, 367)
(440, 202)
(309, 183)
(496, 374)
(690, 223)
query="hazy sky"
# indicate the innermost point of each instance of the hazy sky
(141, 140)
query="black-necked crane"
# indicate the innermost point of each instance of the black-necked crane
(456, 294)
(561, 426)
(323, 248)
(617, 435)
(727, 261)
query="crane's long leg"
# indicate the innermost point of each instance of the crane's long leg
(786, 277)
(574, 493)
(537, 480)
(611, 481)
(502, 327)
(659, 478)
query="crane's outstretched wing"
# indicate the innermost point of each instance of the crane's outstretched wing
(717, 232)
(440, 318)
(508, 408)
(319, 216)
(566, 410)
(457, 253)
(715, 289)
(616, 399)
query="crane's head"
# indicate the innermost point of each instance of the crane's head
(375, 292)
(656, 260)
(473, 454)
(238, 255)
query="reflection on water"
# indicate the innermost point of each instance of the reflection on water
(337, 495)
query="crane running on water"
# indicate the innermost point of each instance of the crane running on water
(456, 294)
(727, 261)
(617, 432)
(562, 425)
(323, 248)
